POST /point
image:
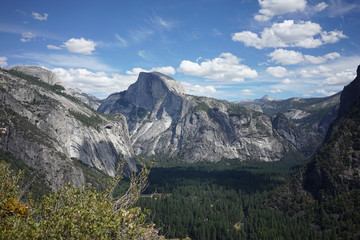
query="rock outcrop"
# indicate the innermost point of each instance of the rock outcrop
(303, 122)
(163, 119)
(332, 174)
(47, 129)
(88, 99)
(43, 74)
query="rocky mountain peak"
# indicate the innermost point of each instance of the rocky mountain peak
(150, 87)
(267, 98)
(43, 74)
(170, 83)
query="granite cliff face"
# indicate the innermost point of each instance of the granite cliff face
(47, 128)
(333, 172)
(163, 119)
(301, 121)
(44, 75)
(335, 168)
(88, 99)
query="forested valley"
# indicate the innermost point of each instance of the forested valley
(224, 200)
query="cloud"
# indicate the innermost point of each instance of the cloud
(160, 23)
(40, 17)
(81, 46)
(340, 7)
(198, 90)
(142, 53)
(118, 42)
(121, 41)
(324, 92)
(226, 68)
(67, 61)
(335, 74)
(27, 36)
(53, 47)
(340, 78)
(332, 37)
(287, 81)
(103, 84)
(289, 34)
(290, 57)
(165, 70)
(141, 35)
(320, 6)
(271, 8)
(274, 91)
(3, 61)
(277, 71)
(247, 92)
(99, 83)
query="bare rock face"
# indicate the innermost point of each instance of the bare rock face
(162, 119)
(42, 73)
(88, 99)
(47, 129)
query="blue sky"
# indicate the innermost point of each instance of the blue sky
(224, 49)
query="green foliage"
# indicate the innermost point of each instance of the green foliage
(93, 121)
(202, 106)
(58, 89)
(93, 176)
(237, 111)
(75, 213)
(36, 81)
(22, 124)
(31, 179)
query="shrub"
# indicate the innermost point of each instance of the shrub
(75, 213)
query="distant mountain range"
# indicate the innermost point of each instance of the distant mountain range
(154, 117)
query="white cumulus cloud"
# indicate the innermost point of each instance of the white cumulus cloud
(290, 57)
(198, 90)
(271, 8)
(40, 17)
(304, 34)
(3, 61)
(100, 83)
(332, 37)
(340, 78)
(286, 57)
(53, 47)
(226, 68)
(277, 71)
(81, 46)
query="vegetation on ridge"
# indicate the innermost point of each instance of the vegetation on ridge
(74, 213)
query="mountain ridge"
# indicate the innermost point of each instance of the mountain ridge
(48, 129)
(200, 128)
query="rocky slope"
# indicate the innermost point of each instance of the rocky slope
(326, 190)
(335, 168)
(163, 119)
(88, 99)
(47, 128)
(302, 121)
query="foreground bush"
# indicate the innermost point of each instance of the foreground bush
(74, 213)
